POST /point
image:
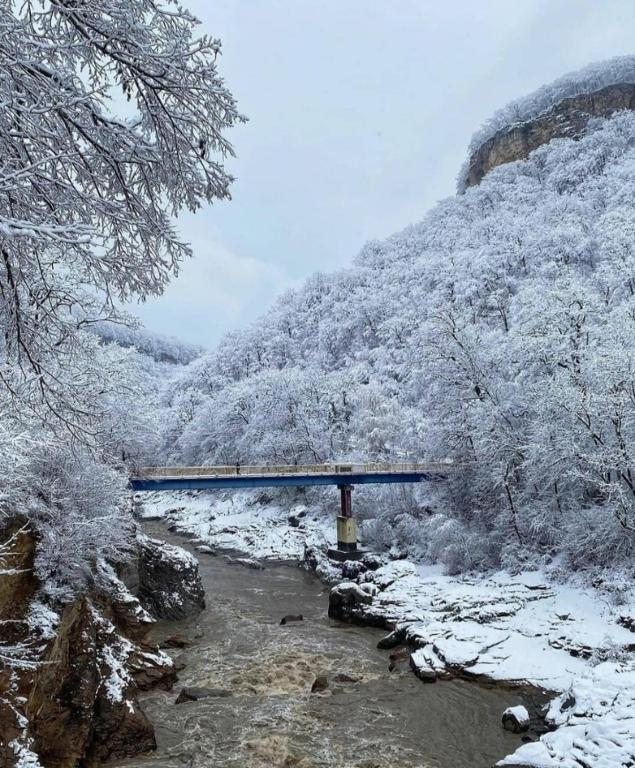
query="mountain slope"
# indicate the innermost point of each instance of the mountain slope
(496, 332)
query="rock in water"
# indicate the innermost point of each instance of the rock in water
(247, 562)
(175, 641)
(193, 693)
(421, 666)
(345, 599)
(320, 684)
(342, 677)
(291, 617)
(516, 719)
(395, 638)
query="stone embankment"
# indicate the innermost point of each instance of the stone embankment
(71, 698)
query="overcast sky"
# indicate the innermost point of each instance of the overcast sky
(360, 112)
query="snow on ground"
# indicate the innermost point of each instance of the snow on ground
(235, 521)
(525, 628)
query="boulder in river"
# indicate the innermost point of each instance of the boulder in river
(421, 666)
(321, 683)
(169, 582)
(194, 693)
(344, 600)
(342, 677)
(291, 618)
(516, 719)
(248, 562)
(395, 638)
(206, 550)
(175, 641)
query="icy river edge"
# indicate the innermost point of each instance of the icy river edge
(521, 630)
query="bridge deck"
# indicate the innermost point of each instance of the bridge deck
(179, 478)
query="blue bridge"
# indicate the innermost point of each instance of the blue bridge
(344, 476)
(206, 478)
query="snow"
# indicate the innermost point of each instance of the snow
(119, 678)
(42, 619)
(234, 522)
(113, 656)
(24, 757)
(21, 746)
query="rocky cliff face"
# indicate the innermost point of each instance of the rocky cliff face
(73, 703)
(159, 566)
(567, 119)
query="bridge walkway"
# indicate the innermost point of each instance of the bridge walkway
(265, 475)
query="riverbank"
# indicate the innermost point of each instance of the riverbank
(309, 693)
(69, 695)
(523, 629)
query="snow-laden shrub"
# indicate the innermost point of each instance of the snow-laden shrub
(76, 505)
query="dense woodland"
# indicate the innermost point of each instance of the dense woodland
(496, 333)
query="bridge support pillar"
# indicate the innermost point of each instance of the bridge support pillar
(346, 523)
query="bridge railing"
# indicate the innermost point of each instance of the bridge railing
(291, 469)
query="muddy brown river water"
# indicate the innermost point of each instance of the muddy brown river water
(267, 715)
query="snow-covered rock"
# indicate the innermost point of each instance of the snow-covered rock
(522, 629)
(169, 582)
(516, 719)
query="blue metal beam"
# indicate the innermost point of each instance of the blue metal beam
(276, 481)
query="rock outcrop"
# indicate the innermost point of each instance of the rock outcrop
(568, 119)
(73, 700)
(169, 584)
(81, 699)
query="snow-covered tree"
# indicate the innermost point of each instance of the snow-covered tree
(87, 195)
(113, 120)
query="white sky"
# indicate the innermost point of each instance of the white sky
(360, 112)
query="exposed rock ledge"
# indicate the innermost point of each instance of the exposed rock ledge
(568, 119)
(74, 703)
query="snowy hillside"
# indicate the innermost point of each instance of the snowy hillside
(497, 331)
(162, 349)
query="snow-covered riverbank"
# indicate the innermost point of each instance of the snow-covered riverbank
(521, 628)
(240, 521)
(526, 628)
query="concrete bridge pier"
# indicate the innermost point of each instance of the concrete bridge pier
(346, 523)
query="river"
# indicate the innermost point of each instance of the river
(267, 715)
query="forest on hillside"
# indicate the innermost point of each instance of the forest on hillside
(496, 333)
